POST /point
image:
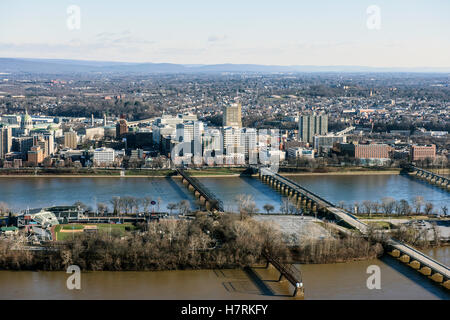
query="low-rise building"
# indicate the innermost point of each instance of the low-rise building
(423, 152)
(104, 156)
(300, 152)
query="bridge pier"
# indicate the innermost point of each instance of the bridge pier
(395, 253)
(446, 284)
(285, 275)
(431, 177)
(426, 271)
(414, 264)
(437, 277)
(200, 192)
(405, 258)
(299, 291)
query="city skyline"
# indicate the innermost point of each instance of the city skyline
(326, 33)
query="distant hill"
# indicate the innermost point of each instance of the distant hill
(61, 66)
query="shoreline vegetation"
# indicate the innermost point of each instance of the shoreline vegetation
(206, 242)
(164, 173)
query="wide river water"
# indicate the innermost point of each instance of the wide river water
(323, 281)
(332, 281)
(22, 193)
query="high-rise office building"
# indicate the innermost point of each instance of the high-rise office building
(311, 125)
(212, 141)
(232, 116)
(232, 141)
(185, 132)
(22, 144)
(249, 140)
(5, 141)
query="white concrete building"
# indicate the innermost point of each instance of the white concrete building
(104, 156)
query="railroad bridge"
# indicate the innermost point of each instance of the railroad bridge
(417, 260)
(206, 197)
(308, 199)
(287, 272)
(430, 177)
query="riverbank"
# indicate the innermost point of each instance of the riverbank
(343, 173)
(208, 173)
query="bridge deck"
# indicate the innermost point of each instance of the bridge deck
(421, 257)
(342, 214)
(285, 272)
(430, 173)
(209, 196)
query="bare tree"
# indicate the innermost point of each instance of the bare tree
(146, 201)
(375, 206)
(436, 233)
(246, 205)
(251, 208)
(444, 210)
(115, 201)
(405, 207)
(136, 204)
(184, 206)
(388, 204)
(285, 203)
(171, 207)
(428, 208)
(367, 206)
(268, 208)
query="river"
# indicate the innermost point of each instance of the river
(20, 193)
(330, 281)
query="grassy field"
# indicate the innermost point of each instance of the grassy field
(119, 229)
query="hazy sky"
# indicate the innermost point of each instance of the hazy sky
(413, 33)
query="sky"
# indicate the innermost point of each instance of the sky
(399, 33)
